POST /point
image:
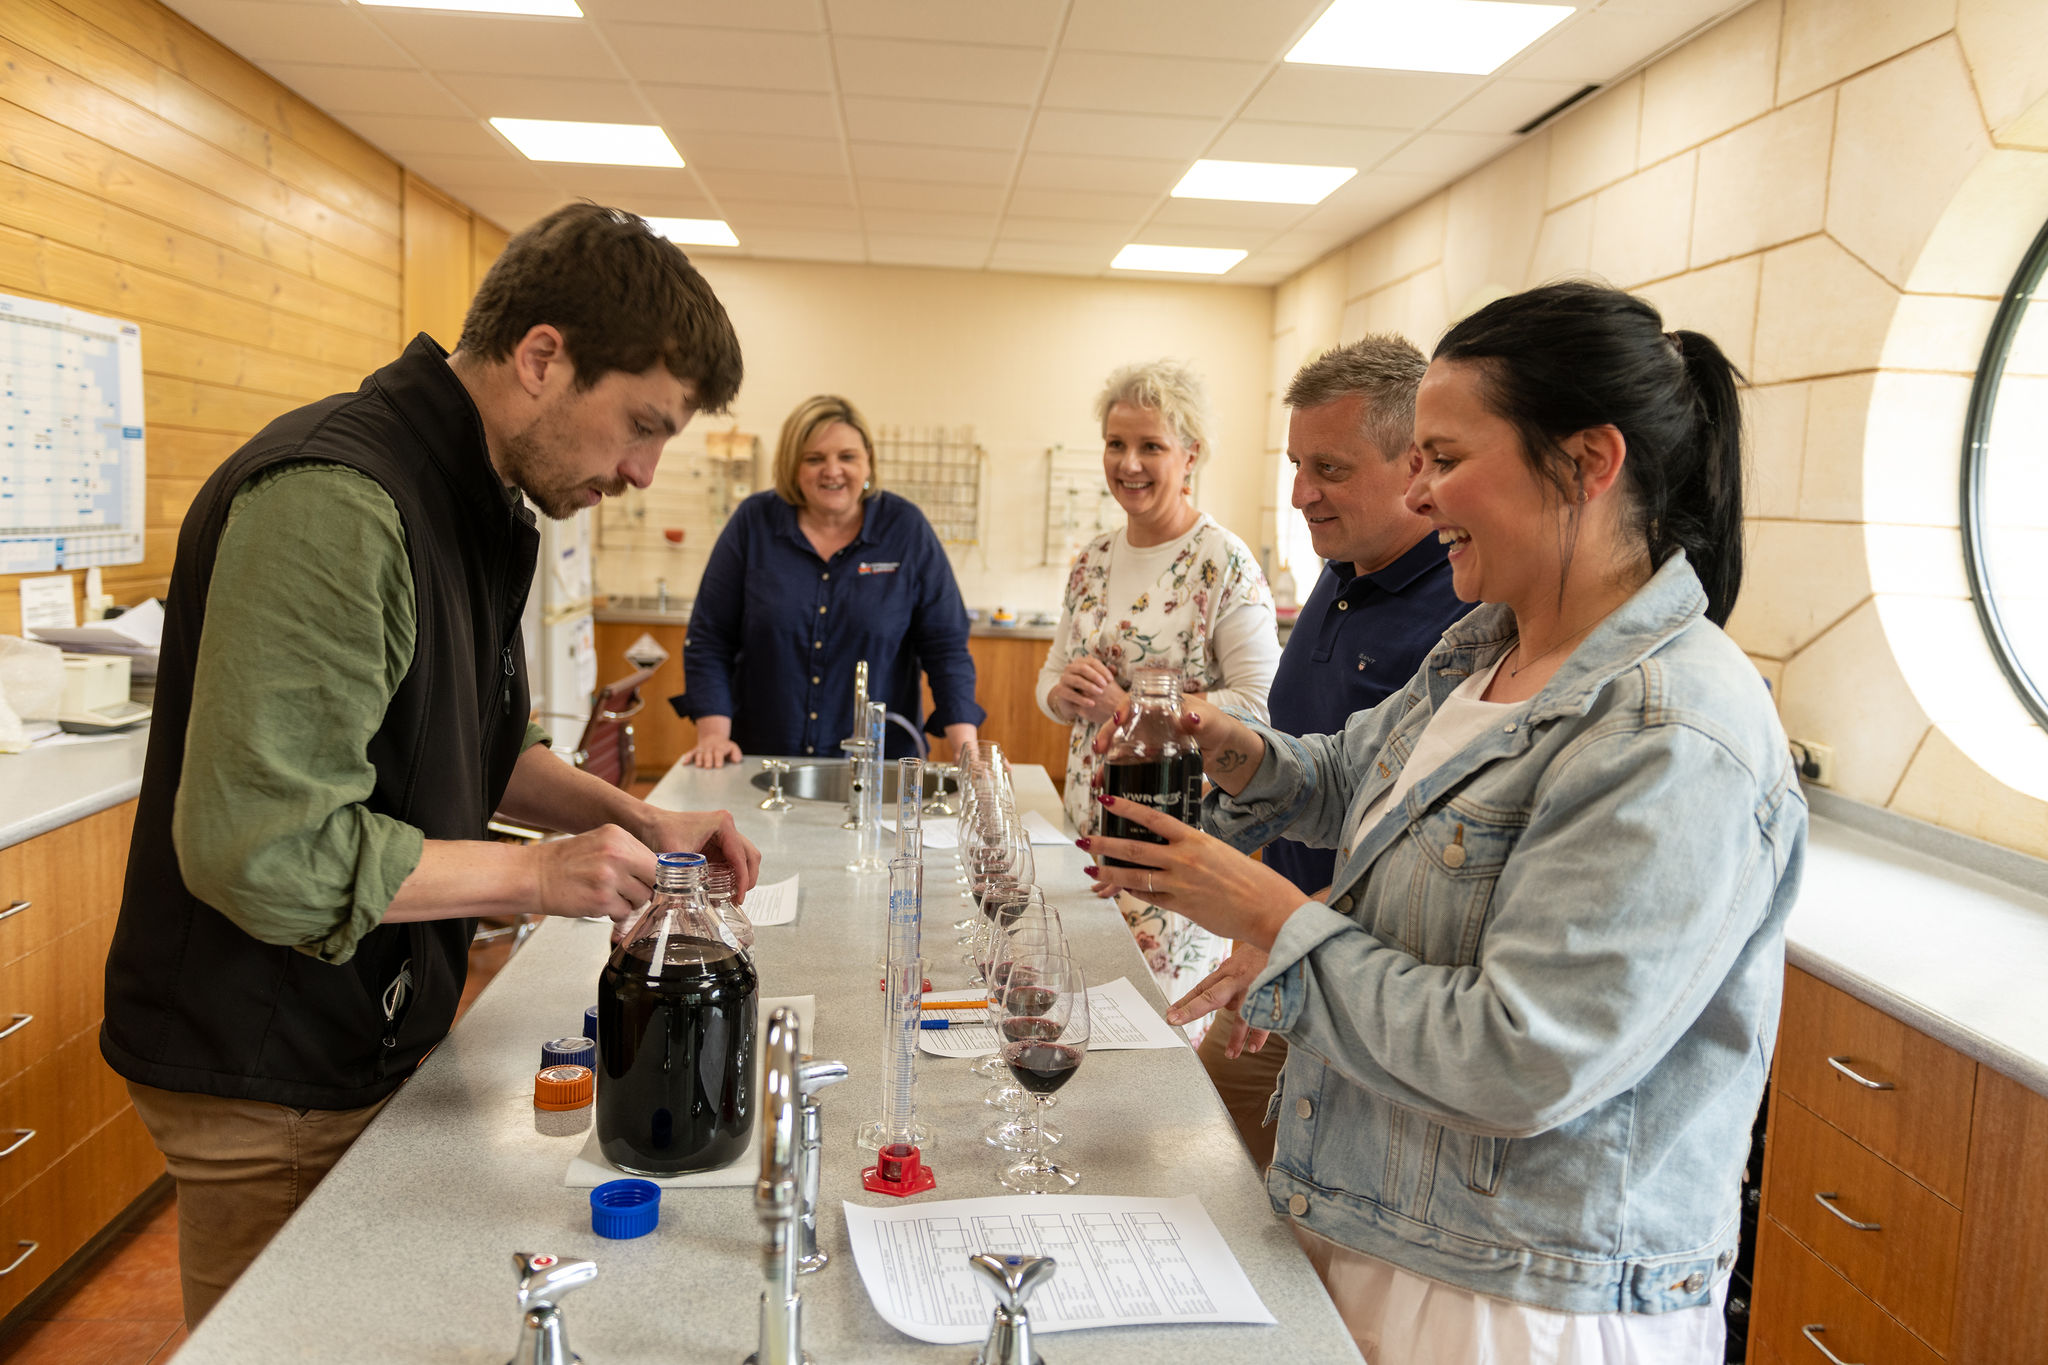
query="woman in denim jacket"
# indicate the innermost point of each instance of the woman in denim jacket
(1531, 1025)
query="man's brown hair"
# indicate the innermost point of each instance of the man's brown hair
(622, 297)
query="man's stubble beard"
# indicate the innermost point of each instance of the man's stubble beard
(533, 468)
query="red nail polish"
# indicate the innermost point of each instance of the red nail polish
(1106, 800)
(1081, 843)
(1091, 871)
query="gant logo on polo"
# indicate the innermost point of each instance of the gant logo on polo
(885, 566)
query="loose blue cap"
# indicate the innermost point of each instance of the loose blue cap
(569, 1052)
(620, 1209)
(590, 1022)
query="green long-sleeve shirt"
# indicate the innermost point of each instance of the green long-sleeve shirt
(309, 630)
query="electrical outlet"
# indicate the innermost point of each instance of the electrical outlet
(1816, 761)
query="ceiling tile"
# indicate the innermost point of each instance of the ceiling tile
(788, 189)
(1121, 175)
(788, 244)
(513, 209)
(1064, 130)
(889, 248)
(293, 33)
(1150, 85)
(500, 45)
(1013, 255)
(935, 123)
(929, 223)
(1068, 232)
(403, 135)
(1029, 23)
(789, 16)
(1601, 45)
(368, 90)
(1446, 156)
(1505, 103)
(1086, 205)
(746, 214)
(940, 71)
(739, 58)
(741, 152)
(1349, 97)
(628, 185)
(1182, 234)
(1365, 203)
(925, 194)
(1226, 213)
(950, 165)
(780, 113)
(1190, 28)
(664, 205)
(1305, 144)
(605, 101)
(459, 173)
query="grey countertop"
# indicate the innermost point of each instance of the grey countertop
(404, 1252)
(46, 787)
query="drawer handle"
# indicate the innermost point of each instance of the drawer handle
(15, 908)
(16, 1262)
(1841, 1064)
(14, 1146)
(21, 1022)
(1812, 1332)
(1826, 1201)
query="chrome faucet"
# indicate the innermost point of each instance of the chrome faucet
(1009, 1336)
(855, 745)
(661, 594)
(811, 1077)
(777, 1196)
(543, 1279)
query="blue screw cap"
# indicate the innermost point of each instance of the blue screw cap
(590, 1022)
(620, 1209)
(569, 1052)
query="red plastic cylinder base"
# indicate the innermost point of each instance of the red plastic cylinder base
(898, 1170)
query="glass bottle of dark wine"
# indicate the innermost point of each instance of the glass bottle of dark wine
(675, 1028)
(1150, 761)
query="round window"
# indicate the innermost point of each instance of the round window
(2005, 484)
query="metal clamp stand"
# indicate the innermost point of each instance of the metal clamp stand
(775, 768)
(543, 1279)
(1009, 1336)
(777, 1195)
(811, 1077)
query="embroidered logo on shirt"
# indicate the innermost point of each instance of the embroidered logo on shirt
(1363, 660)
(883, 566)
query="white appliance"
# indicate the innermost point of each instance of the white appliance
(561, 639)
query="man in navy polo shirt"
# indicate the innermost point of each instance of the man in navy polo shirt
(1383, 600)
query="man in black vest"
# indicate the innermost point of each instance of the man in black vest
(342, 707)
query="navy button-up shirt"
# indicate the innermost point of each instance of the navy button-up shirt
(1358, 640)
(776, 631)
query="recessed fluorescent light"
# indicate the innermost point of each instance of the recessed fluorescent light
(695, 231)
(1181, 260)
(1465, 37)
(597, 144)
(546, 9)
(1261, 182)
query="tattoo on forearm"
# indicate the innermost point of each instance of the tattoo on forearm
(1229, 761)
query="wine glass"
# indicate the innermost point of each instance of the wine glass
(1045, 1038)
(1035, 928)
(1003, 906)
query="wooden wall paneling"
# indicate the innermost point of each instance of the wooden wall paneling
(439, 259)
(2005, 1229)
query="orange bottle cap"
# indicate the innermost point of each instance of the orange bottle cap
(562, 1087)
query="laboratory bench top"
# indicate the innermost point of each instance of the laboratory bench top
(45, 787)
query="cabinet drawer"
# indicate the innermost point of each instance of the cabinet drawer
(1905, 1260)
(54, 880)
(62, 1209)
(53, 994)
(1890, 1087)
(60, 1100)
(1795, 1293)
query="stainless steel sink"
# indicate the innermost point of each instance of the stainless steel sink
(649, 605)
(829, 781)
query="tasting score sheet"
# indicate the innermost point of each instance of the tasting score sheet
(1118, 1018)
(1122, 1261)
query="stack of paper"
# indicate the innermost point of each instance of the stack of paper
(137, 633)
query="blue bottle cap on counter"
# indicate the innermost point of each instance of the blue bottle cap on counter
(625, 1208)
(590, 1022)
(569, 1052)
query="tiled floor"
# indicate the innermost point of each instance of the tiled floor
(122, 1309)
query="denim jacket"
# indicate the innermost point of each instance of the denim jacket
(1529, 1031)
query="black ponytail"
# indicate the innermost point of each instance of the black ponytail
(1565, 357)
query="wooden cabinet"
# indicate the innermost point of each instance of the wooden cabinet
(75, 1153)
(660, 736)
(1905, 1197)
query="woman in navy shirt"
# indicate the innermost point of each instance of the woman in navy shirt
(806, 581)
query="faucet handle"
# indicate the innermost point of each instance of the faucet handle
(544, 1279)
(813, 1075)
(1014, 1277)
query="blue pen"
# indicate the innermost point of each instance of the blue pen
(935, 1023)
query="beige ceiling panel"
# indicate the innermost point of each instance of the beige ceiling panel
(457, 174)
(888, 248)
(1069, 131)
(265, 32)
(401, 136)
(1182, 234)
(1506, 103)
(774, 187)
(1365, 203)
(799, 245)
(929, 222)
(1305, 144)
(1599, 46)
(747, 214)
(789, 16)
(1232, 214)
(665, 206)
(938, 71)
(1349, 97)
(1190, 28)
(928, 194)
(624, 185)
(368, 90)
(1027, 23)
(606, 101)
(740, 152)
(948, 165)
(773, 113)
(1084, 205)
(514, 209)
(737, 58)
(1068, 232)
(1019, 255)
(500, 45)
(1116, 174)
(1150, 85)
(1446, 156)
(935, 123)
